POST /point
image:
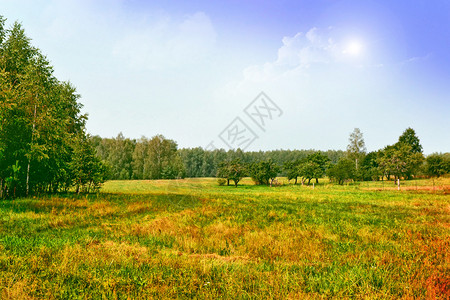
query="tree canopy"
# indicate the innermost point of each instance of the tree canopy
(264, 172)
(42, 130)
(232, 170)
(410, 138)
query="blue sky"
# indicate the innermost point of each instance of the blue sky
(186, 69)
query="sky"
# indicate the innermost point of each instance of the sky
(259, 75)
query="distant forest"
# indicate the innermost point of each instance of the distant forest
(159, 158)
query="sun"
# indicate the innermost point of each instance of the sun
(353, 48)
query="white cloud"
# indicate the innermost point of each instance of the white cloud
(296, 55)
(305, 49)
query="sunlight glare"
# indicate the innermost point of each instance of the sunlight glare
(354, 48)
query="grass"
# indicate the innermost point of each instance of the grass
(194, 239)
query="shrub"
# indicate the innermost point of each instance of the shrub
(221, 181)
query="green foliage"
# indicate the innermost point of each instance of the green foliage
(342, 171)
(264, 172)
(128, 159)
(118, 154)
(438, 164)
(12, 183)
(292, 170)
(40, 119)
(410, 138)
(399, 160)
(314, 166)
(174, 169)
(221, 181)
(157, 158)
(356, 148)
(87, 170)
(369, 169)
(232, 170)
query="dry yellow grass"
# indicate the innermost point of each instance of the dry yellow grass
(194, 239)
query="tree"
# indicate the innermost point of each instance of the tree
(369, 167)
(232, 170)
(409, 137)
(438, 164)
(308, 170)
(313, 166)
(117, 153)
(319, 163)
(399, 160)
(157, 158)
(86, 168)
(356, 148)
(264, 172)
(343, 170)
(193, 160)
(173, 169)
(161, 153)
(292, 170)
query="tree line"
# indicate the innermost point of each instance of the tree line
(404, 159)
(160, 158)
(43, 142)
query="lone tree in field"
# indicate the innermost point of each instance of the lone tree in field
(264, 172)
(356, 148)
(232, 170)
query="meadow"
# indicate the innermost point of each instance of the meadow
(195, 239)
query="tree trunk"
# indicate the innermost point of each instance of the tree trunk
(295, 180)
(78, 189)
(29, 159)
(317, 180)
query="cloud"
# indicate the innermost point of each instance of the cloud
(297, 54)
(416, 59)
(305, 49)
(167, 42)
(113, 31)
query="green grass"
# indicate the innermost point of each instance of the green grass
(194, 239)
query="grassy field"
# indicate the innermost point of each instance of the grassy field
(194, 239)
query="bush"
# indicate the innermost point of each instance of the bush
(221, 181)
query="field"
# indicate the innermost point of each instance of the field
(194, 239)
